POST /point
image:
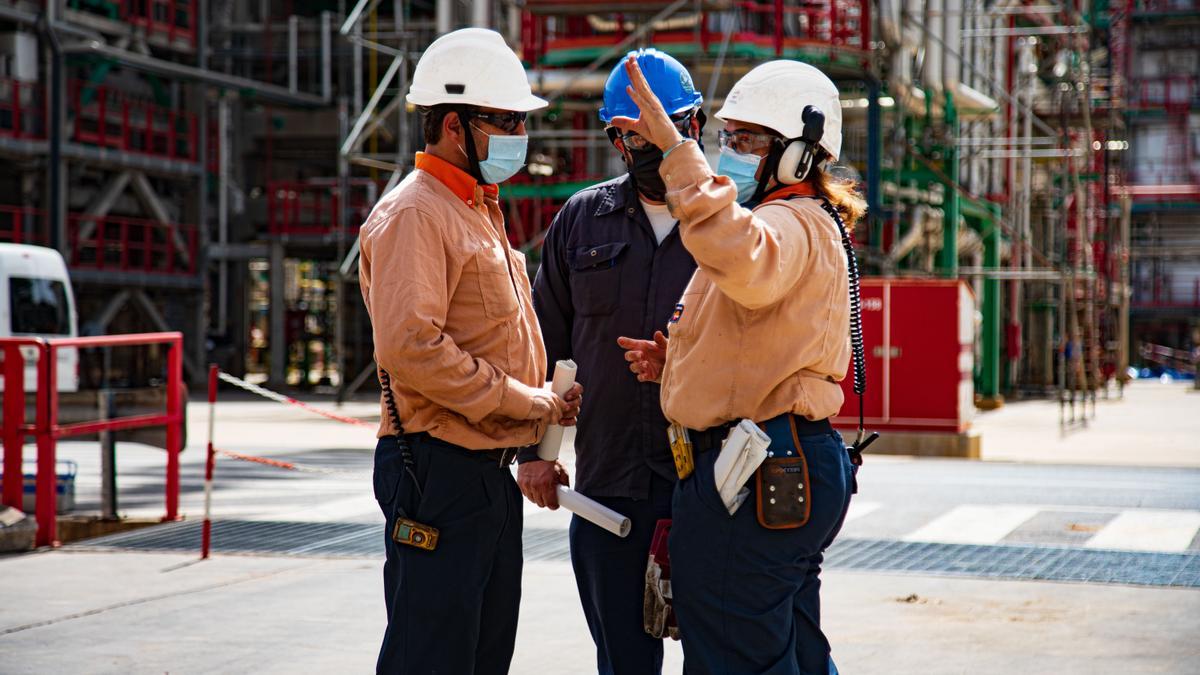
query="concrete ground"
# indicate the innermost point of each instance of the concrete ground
(1153, 424)
(155, 613)
(136, 612)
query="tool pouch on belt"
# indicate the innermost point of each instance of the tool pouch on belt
(658, 617)
(783, 492)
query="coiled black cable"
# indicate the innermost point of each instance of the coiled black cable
(389, 401)
(856, 330)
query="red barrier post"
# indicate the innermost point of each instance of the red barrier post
(46, 510)
(174, 435)
(14, 423)
(209, 463)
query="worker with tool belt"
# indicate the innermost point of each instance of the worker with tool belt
(613, 265)
(462, 366)
(759, 334)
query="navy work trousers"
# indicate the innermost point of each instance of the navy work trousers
(748, 598)
(452, 610)
(611, 575)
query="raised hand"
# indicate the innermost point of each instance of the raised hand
(646, 358)
(653, 124)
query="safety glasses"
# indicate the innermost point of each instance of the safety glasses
(682, 122)
(508, 122)
(745, 142)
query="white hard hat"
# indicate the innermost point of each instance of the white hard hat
(472, 66)
(775, 95)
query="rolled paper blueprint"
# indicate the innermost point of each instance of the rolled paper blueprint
(561, 383)
(593, 511)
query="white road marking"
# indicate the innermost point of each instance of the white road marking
(973, 524)
(859, 509)
(1148, 530)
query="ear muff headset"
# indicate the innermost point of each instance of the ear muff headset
(800, 154)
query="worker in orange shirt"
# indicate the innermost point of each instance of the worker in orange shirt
(762, 334)
(462, 366)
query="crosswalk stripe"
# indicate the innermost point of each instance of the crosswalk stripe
(860, 509)
(973, 524)
(1148, 530)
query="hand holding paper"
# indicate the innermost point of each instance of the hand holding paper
(560, 384)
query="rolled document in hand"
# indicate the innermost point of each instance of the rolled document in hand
(593, 511)
(743, 451)
(561, 383)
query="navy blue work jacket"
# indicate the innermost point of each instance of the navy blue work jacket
(604, 276)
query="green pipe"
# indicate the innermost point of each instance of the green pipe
(989, 385)
(948, 258)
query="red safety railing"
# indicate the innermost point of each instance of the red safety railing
(21, 225)
(113, 119)
(313, 207)
(1174, 93)
(47, 431)
(172, 19)
(1161, 293)
(22, 109)
(773, 24)
(109, 243)
(117, 243)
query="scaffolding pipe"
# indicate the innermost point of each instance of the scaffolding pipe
(352, 140)
(479, 13)
(148, 64)
(223, 211)
(326, 55)
(293, 28)
(343, 217)
(445, 16)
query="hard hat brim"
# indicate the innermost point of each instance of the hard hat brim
(523, 104)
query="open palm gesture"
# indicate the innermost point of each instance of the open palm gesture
(653, 124)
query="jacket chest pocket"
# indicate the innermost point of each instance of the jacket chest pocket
(596, 278)
(496, 287)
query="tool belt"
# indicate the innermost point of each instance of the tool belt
(783, 499)
(712, 437)
(502, 457)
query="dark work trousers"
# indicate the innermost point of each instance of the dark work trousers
(746, 597)
(453, 610)
(611, 575)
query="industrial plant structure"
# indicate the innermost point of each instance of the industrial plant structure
(204, 165)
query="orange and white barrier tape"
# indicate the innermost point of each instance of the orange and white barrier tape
(288, 400)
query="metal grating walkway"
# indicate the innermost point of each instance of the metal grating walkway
(356, 540)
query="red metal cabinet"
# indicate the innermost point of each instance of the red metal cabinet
(920, 337)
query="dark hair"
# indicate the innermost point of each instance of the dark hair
(431, 120)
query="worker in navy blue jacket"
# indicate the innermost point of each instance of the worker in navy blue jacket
(613, 265)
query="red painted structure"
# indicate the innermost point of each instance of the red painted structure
(112, 244)
(112, 119)
(775, 24)
(920, 340)
(102, 117)
(314, 207)
(47, 431)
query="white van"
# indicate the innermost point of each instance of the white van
(36, 301)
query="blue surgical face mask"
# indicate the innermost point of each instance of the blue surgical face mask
(506, 156)
(741, 169)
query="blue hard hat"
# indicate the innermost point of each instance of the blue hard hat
(668, 79)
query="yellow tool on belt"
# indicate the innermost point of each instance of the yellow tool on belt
(681, 450)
